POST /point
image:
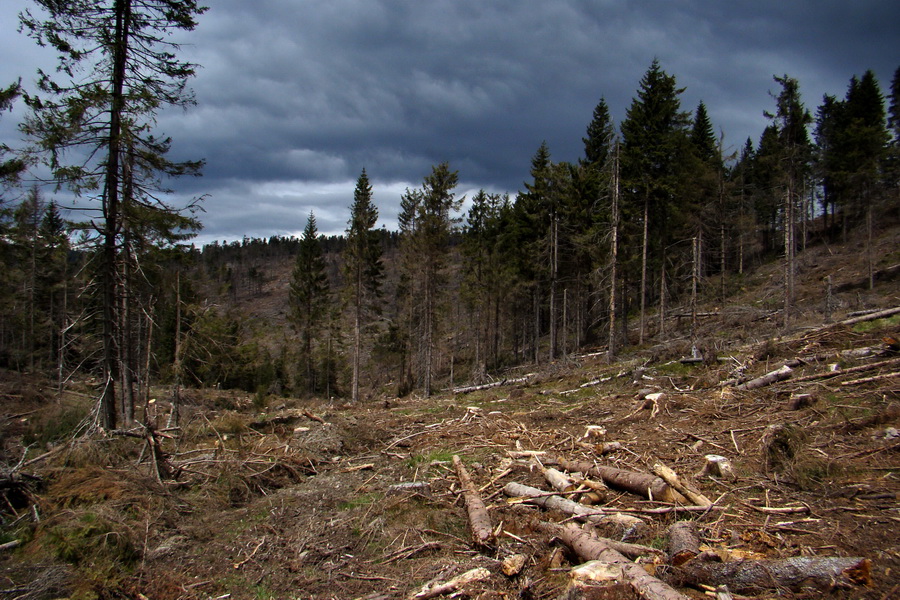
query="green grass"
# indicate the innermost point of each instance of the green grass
(877, 324)
(361, 500)
(424, 459)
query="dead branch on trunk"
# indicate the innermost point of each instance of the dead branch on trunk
(757, 575)
(479, 520)
(589, 547)
(641, 484)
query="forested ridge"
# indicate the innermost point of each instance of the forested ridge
(656, 217)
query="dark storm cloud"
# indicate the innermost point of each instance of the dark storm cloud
(295, 98)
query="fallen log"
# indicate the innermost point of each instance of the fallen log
(486, 386)
(684, 543)
(626, 523)
(479, 520)
(857, 369)
(768, 379)
(589, 547)
(871, 317)
(475, 575)
(754, 576)
(871, 379)
(641, 484)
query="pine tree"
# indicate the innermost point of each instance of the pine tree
(308, 295)
(702, 136)
(121, 69)
(10, 168)
(485, 278)
(426, 220)
(362, 267)
(653, 144)
(790, 121)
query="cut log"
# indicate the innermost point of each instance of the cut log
(598, 580)
(768, 379)
(641, 484)
(589, 547)
(558, 480)
(479, 520)
(753, 576)
(473, 576)
(671, 478)
(684, 543)
(622, 523)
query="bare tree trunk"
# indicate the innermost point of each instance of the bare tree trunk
(613, 257)
(869, 260)
(695, 267)
(644, 245)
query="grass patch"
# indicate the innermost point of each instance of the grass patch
(361, 500)
(418, 460)
(877, 324)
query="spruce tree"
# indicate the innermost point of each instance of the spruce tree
(426, 220)
(94, 127)
(308, 295)
(653, 144)
(363, 269)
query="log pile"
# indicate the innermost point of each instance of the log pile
(614, 568)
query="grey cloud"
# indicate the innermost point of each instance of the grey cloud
(295, 98)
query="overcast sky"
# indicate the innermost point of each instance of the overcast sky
(295, 97)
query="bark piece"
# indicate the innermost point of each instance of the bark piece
(588, 547)
(641, 484)
(513, 565)
(684, 543)
(671, 478)
(479, 520)
(540, 498)
(749, 576)
(768, 379)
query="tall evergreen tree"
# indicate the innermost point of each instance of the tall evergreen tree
(485, 279)
(308, 295)
(362, 267)
(794, 152)
(653, 145)
(702, 136)
(118, 69)
(426, 220)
